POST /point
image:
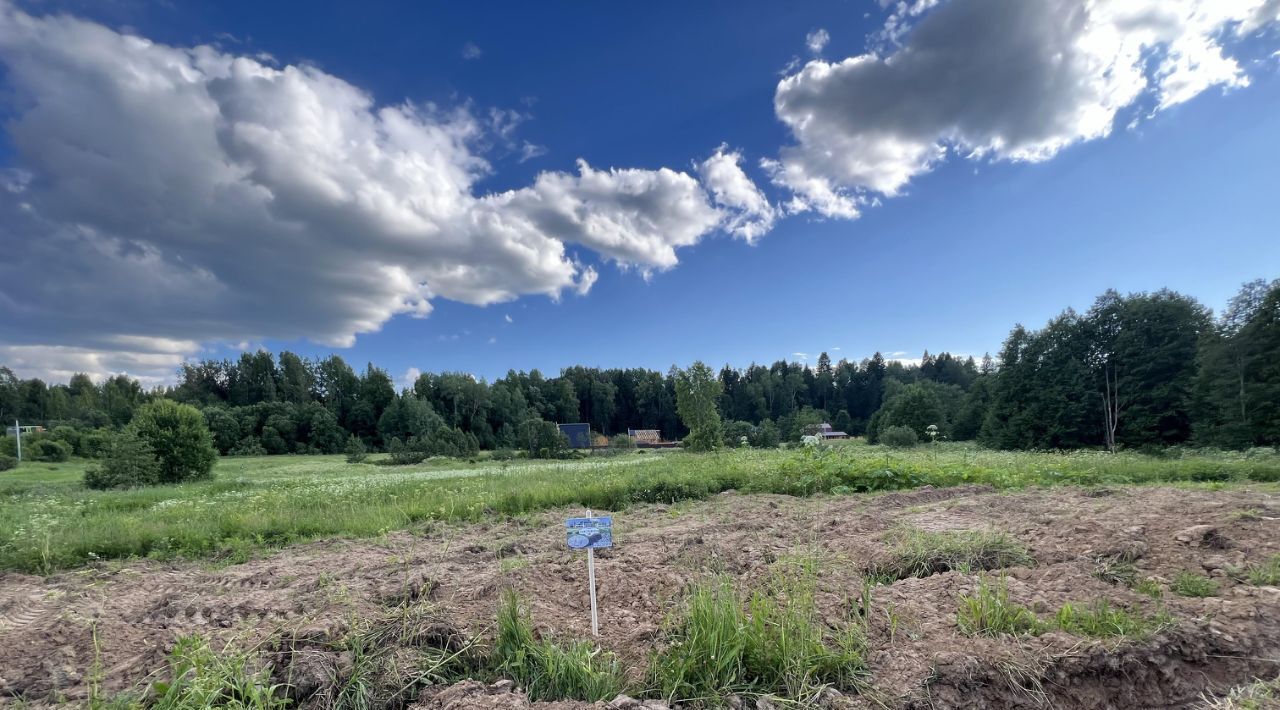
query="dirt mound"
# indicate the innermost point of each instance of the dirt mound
(295, 607)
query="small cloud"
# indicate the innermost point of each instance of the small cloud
(447, 337)
(471, 51)
(492, 340)
(835, 349)
(817, 40)
(507, 318)
(530, 151)
(410, 376)
(802, 357)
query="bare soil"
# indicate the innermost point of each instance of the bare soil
(118, 622)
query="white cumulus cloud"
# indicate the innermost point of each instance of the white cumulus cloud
(998, 79)
(188, 195)
(817, 40)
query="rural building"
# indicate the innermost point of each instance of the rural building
(650, 439)
(13, 430)
(827, 433)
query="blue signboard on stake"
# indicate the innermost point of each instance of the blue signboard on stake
(589, 533)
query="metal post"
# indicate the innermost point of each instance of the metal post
(17, 431)
(591, 582)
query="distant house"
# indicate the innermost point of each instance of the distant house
(827, 433)
(649, 439)
(13, 430)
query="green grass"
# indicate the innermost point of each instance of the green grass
(1262, 574)
(548, 670)
(201, 678)
(1190, 584)
(1101, 620)
(990, 612)
(49, 521)
(768, 642)
(917, 553)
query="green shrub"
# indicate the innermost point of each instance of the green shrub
(919, 554)
(179, 437)
(899, 437)
(355, 450)
(546, 670)
(248, 446)
(200, 678)
(988, 612)
(621, 442)
(1190, 584)
(8, 462)
(93, 444)
(130, 462)
(770, 642)
(51, 450)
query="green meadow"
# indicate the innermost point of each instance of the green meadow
(50, 521)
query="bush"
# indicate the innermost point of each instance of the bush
(622, 442)
(179, 437)
(355, 450)
(899, 437)
(248, 446)
(7, 462)
(129, 462)
(94, 444)
(67, 435)
(51, 450)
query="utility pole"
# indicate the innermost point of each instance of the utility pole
(17, 431)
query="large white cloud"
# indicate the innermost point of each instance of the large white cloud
(1004, 79)
(165, 194)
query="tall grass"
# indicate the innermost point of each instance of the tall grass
(548, 670)
(201, 678)
(990, 612)
(48, 520)
(768, 642)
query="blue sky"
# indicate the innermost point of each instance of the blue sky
(1176, 192)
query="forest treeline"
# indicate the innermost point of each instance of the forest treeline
(1138, 370)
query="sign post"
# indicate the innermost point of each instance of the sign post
(587, 534)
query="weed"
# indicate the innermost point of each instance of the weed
(547, 670)
(1190, 584)
(1115, 569)
(1255, 696)
(201, 678)
(1264, 574)
(1150, 588)
(1101, 620)
(768, 642)
(919, 554)
(988, 612)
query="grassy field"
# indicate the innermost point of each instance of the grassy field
(49, 521)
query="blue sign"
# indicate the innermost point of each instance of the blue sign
(584, 533)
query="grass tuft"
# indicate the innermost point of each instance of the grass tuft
(769, 642)
(1101, 620)
(1261, 695)
(988, 612)
(201, 678)
(919, 554)
(547, 670)
(1264, 574)
(1190, 584)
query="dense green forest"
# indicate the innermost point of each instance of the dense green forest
(1139, 370)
